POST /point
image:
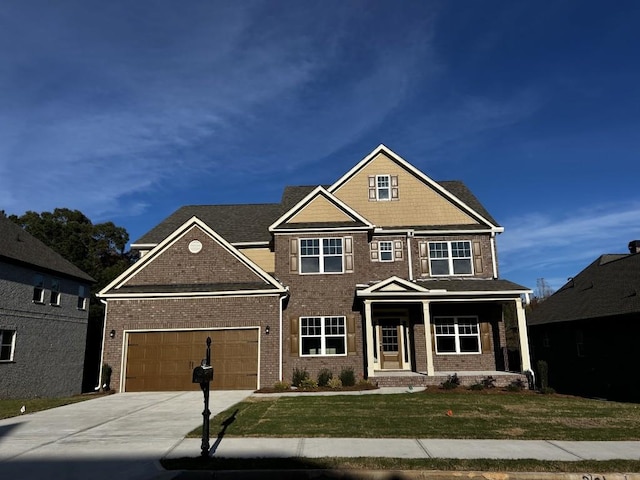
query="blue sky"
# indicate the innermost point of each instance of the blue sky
(128, 110)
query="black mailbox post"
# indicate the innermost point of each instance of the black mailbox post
(203, 375)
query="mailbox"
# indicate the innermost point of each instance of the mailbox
(202, 374)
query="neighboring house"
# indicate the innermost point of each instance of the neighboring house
(44, 307)
(588, 330)
(385, 271)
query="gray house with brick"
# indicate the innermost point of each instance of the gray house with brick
(587, 331)
(385, 271)
(44, 308)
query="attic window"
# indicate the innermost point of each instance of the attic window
(383, 187)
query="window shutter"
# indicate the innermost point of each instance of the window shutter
(351, 335)
(374, 251)
(394, 187)
(424, 258)
(485, 337)
(293, 255)
(372, 187)
(294, 322)
(348, 254)
(397, 249)
(477, 257)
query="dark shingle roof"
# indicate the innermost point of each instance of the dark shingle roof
(17, 245)
(609, 286)
(460, 190)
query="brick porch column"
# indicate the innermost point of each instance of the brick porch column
(524, 338)
(369, 346)
(426, 315)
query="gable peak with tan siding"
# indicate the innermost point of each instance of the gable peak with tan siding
(413, 200)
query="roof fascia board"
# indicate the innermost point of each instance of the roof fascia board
(227, 293)
(321, 229)
(143, 245)
(402, 162)
(470, 295)
(250, 244)
(171, 239)
(445, 232)
(414, 288)
(319, 190)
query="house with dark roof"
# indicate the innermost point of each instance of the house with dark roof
(587, 331)
(44, 308)
(386, 272)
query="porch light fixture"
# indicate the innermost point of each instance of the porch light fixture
(266, 330)
(112, 334)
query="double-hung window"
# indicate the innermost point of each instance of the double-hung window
(55, 292)
(7, 343)
(450, 258)
(383, 187)
(321, 255)
(38, 288)
(386, 251)
(82, 297)
(457, 335)
(323, 336)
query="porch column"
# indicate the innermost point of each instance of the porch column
(524, 338)
(368, 326)
(426, 315)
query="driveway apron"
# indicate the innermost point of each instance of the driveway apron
(117, 436)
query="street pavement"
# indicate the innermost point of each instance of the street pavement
(123, 436)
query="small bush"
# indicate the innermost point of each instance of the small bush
(308, 384)
(324, 376)
(489, 382)
(299, 375)
(547, 391)
(335, 383)
(347, 377)
(106, 377)
(451, 382)
(543, 374)
(364, 384)
(516, 386)
(282, 386)
(476, 386)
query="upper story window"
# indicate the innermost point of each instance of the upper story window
(386, 251)
(321, 255)
(55, 292)
(383, 187)
(82, 297)
(457, 335)
(323, 336)
(7, 344)
(450, 258)
(38, 288)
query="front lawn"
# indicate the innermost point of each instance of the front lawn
(11, 407)
(524, 416)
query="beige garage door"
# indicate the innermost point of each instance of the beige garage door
(164, 361)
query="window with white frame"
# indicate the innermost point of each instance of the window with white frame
(457, 335)
(82, 297)
(323, 336)
(386, 251)
(383, 187)
(38, 288)
(54, 299)
(321, 255)
(7, 344)
(450, 258)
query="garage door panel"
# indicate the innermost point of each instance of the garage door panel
(164, 361)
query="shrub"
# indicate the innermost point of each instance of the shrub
(489, 382)
(451, 382)
(543, 374)
(364, 384)
(324, 376)
(106, 377)
(335, 383)
(516, 386)
(547, 391)
(308, 384)
(282, 386)
(347, 377)
(476, 386)
(299, 375)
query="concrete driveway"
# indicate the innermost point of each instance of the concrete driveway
(117, 436)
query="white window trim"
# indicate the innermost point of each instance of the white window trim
(321, 256)
(82, 297)
(54, 295)
(390, 250)
(323, 337)
(457, 334)
(388, 188)
(13, 343)
(38, 283)
(450, 258)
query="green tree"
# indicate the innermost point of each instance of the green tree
(98, 250)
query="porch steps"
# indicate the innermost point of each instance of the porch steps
(416, 379)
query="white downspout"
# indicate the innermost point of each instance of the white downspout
(494, 261)
(409, 260)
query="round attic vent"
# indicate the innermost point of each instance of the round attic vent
(195, 246)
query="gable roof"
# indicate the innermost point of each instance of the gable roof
(264, 283)
(609, 286)
(19, 246)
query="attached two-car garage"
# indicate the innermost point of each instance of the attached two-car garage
(164, 360)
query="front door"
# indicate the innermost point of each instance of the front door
(390, 335)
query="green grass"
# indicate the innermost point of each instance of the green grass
(523, 416)
(11, 408)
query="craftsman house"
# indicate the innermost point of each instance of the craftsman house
(587, 330)
(385, 271)
(44, 308)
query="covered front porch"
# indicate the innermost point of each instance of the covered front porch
(419, 336)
